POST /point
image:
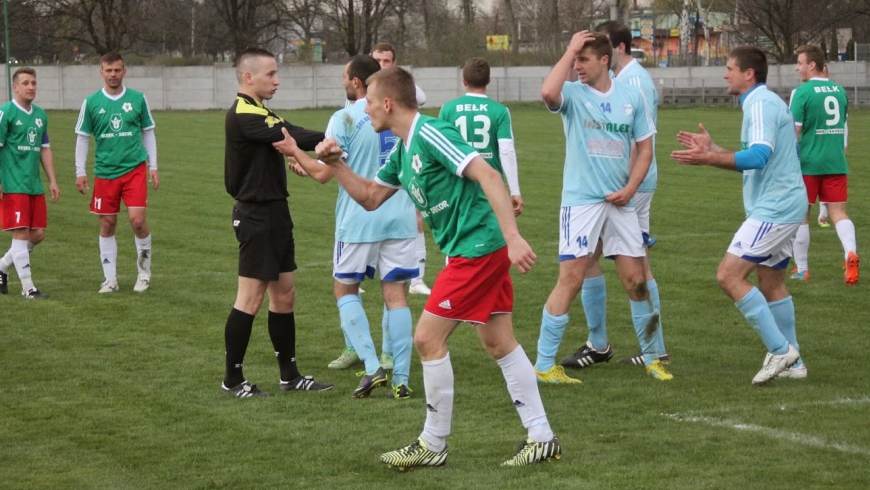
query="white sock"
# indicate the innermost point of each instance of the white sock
(846, 232)
(823, 210)
(522, 385)
(438, 383)
(109, 257)
(143, 262)
(802, 247)
(21, 259)
(30, 246)
(420, 242)
(6, 262)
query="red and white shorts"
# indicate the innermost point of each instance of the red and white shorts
(23, 211)
(828, 188)
(131, 187)
(471, 290)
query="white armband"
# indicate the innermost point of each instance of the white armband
(508, 157)
(82, 142)
(149, 141)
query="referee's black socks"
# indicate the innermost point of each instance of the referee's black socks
(282, 331)
(237, 334)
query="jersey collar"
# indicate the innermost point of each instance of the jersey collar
(115, 97)
(22, 109)
(249, 99)
(411, 131)
(472, 94)
(625, 68)
(745, 95)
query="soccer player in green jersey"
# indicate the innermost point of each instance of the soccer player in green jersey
(819, 108)
(23, 149)
(486, 125)
(465, 202)
(120, 121)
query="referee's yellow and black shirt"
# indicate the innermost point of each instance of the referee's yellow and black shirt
(253, 169)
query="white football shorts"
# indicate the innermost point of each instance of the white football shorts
(396, 260)
(616, 226)
(766, 244)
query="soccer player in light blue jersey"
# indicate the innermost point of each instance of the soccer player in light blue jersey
(382, 240)
(601, 117)
(594, 293)
(773, 198)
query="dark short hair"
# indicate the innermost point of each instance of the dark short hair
(248, 53)
(813, 54)
(384, 47)
(476, 72)
(600, 46)
(26, 70)
(110, 57)
(748, 57)
(362, 66)
(397, 84)
(618, 32)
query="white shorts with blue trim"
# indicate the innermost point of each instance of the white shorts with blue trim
(396, 260)
(762, 243)
(642, 204)
(582, 226)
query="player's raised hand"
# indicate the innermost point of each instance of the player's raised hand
(154, 177)
(328, 151)
(693, 140)
(579, 40)
(82, 184)
(287, 146)
(521, 254)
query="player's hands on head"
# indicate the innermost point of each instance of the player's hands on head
(328, 151)
(521, 254)
(286, 146)
(579, 40)
(518, 204)
(82, 184)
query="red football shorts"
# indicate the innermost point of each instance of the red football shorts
(828, 188)
(471, 290)
(23, 211)
(131, 187)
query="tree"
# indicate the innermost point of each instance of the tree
(513, 31)
(251, 22)
(100, 25)
(357, 22)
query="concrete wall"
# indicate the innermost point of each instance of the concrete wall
(214, 87)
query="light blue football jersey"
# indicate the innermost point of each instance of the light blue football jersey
(636, 75)
(775, 193)
(366, 151)
(599, 128)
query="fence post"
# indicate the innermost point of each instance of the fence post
(673, 91)
(704, 91)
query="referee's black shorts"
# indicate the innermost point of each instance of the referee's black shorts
(265, 234)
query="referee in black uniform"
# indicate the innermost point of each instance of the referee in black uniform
(256, 177)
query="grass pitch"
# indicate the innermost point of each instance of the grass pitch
(121, 391)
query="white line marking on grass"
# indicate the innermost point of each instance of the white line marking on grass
(772, 433)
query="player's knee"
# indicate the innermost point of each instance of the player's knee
(138, 223)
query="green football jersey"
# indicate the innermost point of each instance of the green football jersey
(482, 122)
(116, 123)
(429, 166)
(22, 134)
(820, 107)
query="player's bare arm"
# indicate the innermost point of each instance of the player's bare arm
(302, 161)
(551, 90)
(368, 193)
(642, 151)
(48, 167)
(519, 251)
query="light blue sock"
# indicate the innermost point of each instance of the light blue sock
(552, 329)
(346, 340)
(402, 338)
(594, 298)
(783, 314)
(356, 327)
(754, 308)
(653, 288)
(642, 314)
(386, 345)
